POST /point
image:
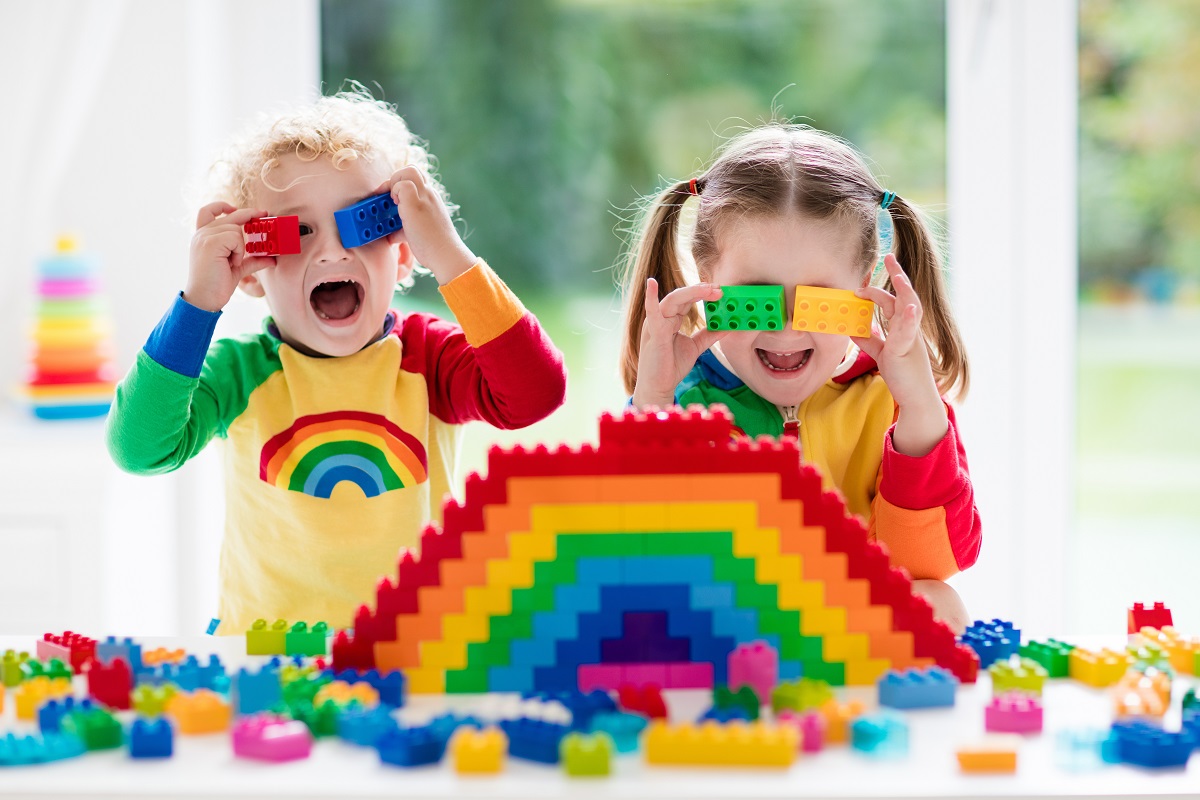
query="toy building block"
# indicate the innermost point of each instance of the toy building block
(992, 641)
(837, 311)
(838, 717)
(268, 737)
(110, 684)
(1138, 617)
(150, 701)
(322, 719)
(54, 669)
(1148, 655)
(724, 715)
(364, 726)
(1086, 749)
(478, 752)
(1190, 700)
(1, 698)
(1146, 745)
(213, 624)
(800, 695)
(202, 711)
(996, 754)
(51, 713)
(10, 667)
(1181, 651)
(647, 700)
(125, 649)
(712, 744)
(582, 706)
(882, 735)
(534, 739)
(267, 640)
(17, 751)
(746, 308)
(1013, 712)
(411, 747)
(744, 699)
(300, 641)
(755, 665)
(343, 694)
(162, 655)
(1099, 668)
(30, 695)
(70, 648)
(1023, 674)
(97, 728)
(1142, 694)
(367, 220)
(915, 688)
(272, 236)
(809, 724)
(587, 755)
(1052, 654)
(623, 729)
(151, 738)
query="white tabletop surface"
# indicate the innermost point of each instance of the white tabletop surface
(204, 766)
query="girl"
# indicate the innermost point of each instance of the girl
(786, 204)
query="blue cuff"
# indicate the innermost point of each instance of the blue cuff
(181, 339)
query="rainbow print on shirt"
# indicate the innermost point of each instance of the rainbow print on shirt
(319, 451)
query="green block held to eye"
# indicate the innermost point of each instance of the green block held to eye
(746, 308)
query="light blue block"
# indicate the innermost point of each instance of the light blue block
(712, 595)
(510, 679)
(599, 570)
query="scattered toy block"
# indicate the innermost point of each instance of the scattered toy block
(97, 728)
(151, 738)
(202, 711)
(647, 700)
(810, 725)
(163, 655)
(713, 744)
(268, 737)
(10, 667)
(534, 739)
(151, 701)
(1052, 654)
(70, 648)
(838, 717)
(17, 751)
(622, 728)
(1098, 668)
(111, 684)
(1023, 674)
(364, 726)
(343, 694)
(29, 696)
(800, 695)
(997, 754)
(882, 735)
(746, 308)
(125, 649)
(744, 700)
(301, 641)
(411, 747)
(1138, 617)
(367, 220)
(478, 752)
(587, 755)
(1146, 745)
(992, 641)
(272, 236)
(264, 640)
(1181, 651)
(1142, 694)
(1013, 712)
(916, 688)
(51, 713)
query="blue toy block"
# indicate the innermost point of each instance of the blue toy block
(582, 705)
(534, 739)
(510, 679)
(917, 688)
(364, 726)
(1085, 749)
(367, 220)
(390, 686)
(741, 624)
(17, 751)
(445, 725)
(623, 728)
(712, 595)
(992, 641)
(52, 712)
(213, 624)
(536, 652)
(882, 735)
(1145, 745)
(790, 670)
(251, 692)
(579, 652)
(682, 569)
(554, 625)
(556, 678)
(125, 649)
(151, 738)
(691, 624)
(580, 598)
(723, 715)
(599, 571)
(411, 747)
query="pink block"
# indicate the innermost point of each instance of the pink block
(267, 737)
(1013, 712)
(642, 674)
(755, 665)
(689, 676)
(68, 288)
(600, 676)
(810, 725)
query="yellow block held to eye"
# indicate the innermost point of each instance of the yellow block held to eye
(836, 311)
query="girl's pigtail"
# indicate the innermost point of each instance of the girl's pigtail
(917, 253)
(654, 254)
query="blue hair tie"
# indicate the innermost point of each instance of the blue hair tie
(888, 197)
(883, 224)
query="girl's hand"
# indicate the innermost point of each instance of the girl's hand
(666, 355)
(427, 226)
(218, 257)
(903, 361)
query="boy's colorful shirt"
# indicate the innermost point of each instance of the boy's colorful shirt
(333, 464)
(923, 508)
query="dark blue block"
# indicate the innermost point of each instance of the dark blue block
(534, 739)
(367, 220)
(364, 726)
(151, 738)
(411, 747)
(558, 678)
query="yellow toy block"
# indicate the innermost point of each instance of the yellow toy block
(487, 600)
(735, 744)
(425, 680)
(838, 717)
(1097, 668)
(33, 693)
(838, 311)
(343, 694)
(864, 672)
(1, 698)
(997, 754)
(845, 647)
(449, 653)
(478, 752)
(801, 595)
(201, 711)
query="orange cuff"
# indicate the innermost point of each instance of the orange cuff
(482, 304)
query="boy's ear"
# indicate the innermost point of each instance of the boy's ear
(251, 286)
(404, 262)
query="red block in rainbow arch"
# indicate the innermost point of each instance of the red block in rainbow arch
(646, 559)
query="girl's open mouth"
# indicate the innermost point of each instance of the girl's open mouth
(783, 362)
(336, 300)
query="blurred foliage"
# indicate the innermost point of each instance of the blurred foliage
(1139, 78)
(551, 118)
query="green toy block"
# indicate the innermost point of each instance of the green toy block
(264, 640)
(1052, 654)
(10, 667)
(467, 681)
(1191, 700)
(1023, 674)
(800, 695)
(321, 720)
(587, 755)
(305, 688)
(54, 668)
(744, 698)
(151, 701)
(746, 308)
(300, 641)
(97, 729)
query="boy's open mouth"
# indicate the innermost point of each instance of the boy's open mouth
(336, 300)
(783, 362)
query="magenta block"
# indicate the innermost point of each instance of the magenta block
(755, 665)
(78, 287)
(267, 737)
(810, 725)
(1013, 712)
(689, 676)
(600, 676)
(642, 674)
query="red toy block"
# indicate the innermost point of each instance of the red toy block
(646, 700)
(69, 648)
(1141, 617)
(272, 236)
(111, 684)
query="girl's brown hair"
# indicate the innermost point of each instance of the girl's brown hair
(785, 168)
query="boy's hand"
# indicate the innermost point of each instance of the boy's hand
(218, 255)
(428, 228)
(666, 355)
(903, 360)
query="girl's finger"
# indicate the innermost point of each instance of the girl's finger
(704, 338)
(680, 301)
(871, 345)
(903, 331)
(885, 301)
(905, 292)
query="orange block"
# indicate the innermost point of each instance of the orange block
(838, 717)
(998, 755)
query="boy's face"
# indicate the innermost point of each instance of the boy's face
(327, 299)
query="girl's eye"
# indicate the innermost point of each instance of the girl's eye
(305, 230)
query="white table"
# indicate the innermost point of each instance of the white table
(204, 766)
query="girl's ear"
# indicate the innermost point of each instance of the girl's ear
(252, 286)
(404, 262)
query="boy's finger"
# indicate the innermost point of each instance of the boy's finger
(253, 264)
(212, 211)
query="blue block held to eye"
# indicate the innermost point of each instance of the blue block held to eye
(367, 220)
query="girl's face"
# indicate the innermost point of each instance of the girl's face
(787, 366)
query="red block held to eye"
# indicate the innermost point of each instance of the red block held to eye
(272, 236)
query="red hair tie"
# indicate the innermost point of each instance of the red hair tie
(692, 187)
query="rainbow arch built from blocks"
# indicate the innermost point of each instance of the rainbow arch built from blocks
(647, 559)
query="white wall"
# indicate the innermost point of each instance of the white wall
(113, 106)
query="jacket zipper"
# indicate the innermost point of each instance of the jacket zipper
(791, 423)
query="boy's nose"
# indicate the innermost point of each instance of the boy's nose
(328, 246)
